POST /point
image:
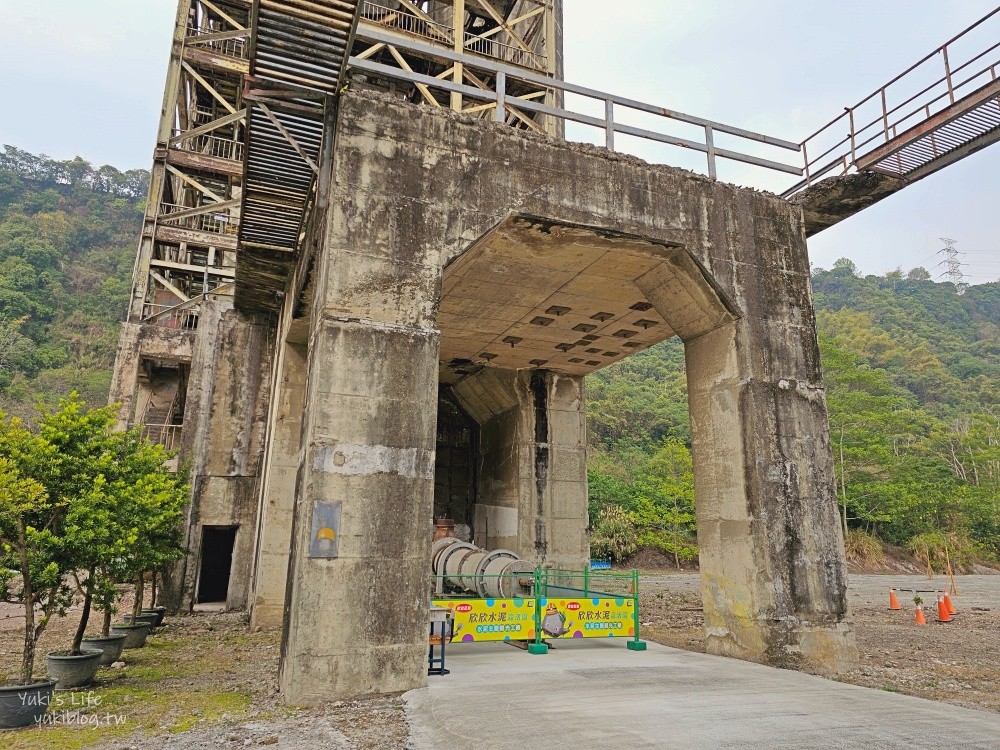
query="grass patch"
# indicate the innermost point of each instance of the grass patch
(174, 684)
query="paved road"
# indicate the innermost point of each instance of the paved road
(596, 695)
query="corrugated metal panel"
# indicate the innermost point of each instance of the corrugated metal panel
(298, 56)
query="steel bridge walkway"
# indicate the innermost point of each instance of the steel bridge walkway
(936, 112)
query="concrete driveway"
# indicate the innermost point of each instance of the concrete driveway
(595, 694)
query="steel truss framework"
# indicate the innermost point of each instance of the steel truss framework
(187, 250)
(522, 34)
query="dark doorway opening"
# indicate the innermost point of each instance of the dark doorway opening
(216, 562)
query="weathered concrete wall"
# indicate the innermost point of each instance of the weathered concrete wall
(357, 622)
(278, 488)
(455, 463)
(532, 495)
(412, 190)
(223, 442)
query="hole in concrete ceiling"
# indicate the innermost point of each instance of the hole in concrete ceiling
(593, 351)
(512, 340)
(488, 356)
(641, 306)
(540, 321)
(557, 310)
(645, 324)
(565, 347)
(593, 363)
(611, 354)
(576, 360)
(584, 328)
(538, 362)
(624, 333)
(602, 316)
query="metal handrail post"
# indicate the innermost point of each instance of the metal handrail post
(501, 115)
(710, 146)
(636, 644)
(947, 75)
(609, 124)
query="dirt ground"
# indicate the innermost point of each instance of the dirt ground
(202, 681)
(206, 681)
(958, 662)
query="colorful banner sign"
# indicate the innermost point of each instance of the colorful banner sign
(587, 617)
(477, 620)
(490, 619)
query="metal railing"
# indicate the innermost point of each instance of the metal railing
(406, 21)
(232, 44)
(213, 222)
(611, 104)
(176, 317)
(167, 435)
(212, 145)
(927, 87)
(504, 52)
(402, 19)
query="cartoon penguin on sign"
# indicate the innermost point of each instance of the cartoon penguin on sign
(554, 622)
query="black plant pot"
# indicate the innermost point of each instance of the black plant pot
(149, 618)
(74, 670)
(160, 613)
(135, 635)
(23, 705)
(111, 645)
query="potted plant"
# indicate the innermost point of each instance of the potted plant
(152, 512)
(85, 476)
(104, 593)
(30, 567)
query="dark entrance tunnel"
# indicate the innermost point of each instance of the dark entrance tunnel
(217, 544)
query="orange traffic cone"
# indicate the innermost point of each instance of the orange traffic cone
(920, 616)
(951, 607)
(893, 601)
(942, 611)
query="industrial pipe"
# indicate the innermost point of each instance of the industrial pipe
(496, 574)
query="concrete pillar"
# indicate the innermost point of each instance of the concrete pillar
(532, 495)
(359, 573)
(277, 503)
(774, 582)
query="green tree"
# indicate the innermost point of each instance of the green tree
(32, 561)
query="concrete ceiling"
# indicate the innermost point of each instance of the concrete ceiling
(564, 298)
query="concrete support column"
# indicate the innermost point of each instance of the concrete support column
(532, 494)
(773, 575)
(774, 581)
(359, 573)
(277, 505)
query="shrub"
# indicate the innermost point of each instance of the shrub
(613, 536)
(863, 548)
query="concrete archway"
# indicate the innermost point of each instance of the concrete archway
(434, 263)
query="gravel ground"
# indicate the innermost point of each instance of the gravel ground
(956, 663)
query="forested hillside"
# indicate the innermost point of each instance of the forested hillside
(913, 378)
(912, 370)
(68, 234)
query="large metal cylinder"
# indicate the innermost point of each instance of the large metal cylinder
(496, 574)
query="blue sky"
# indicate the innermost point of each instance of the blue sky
(86, 78)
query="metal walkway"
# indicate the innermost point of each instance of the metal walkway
(941, 109)
(298, 55)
